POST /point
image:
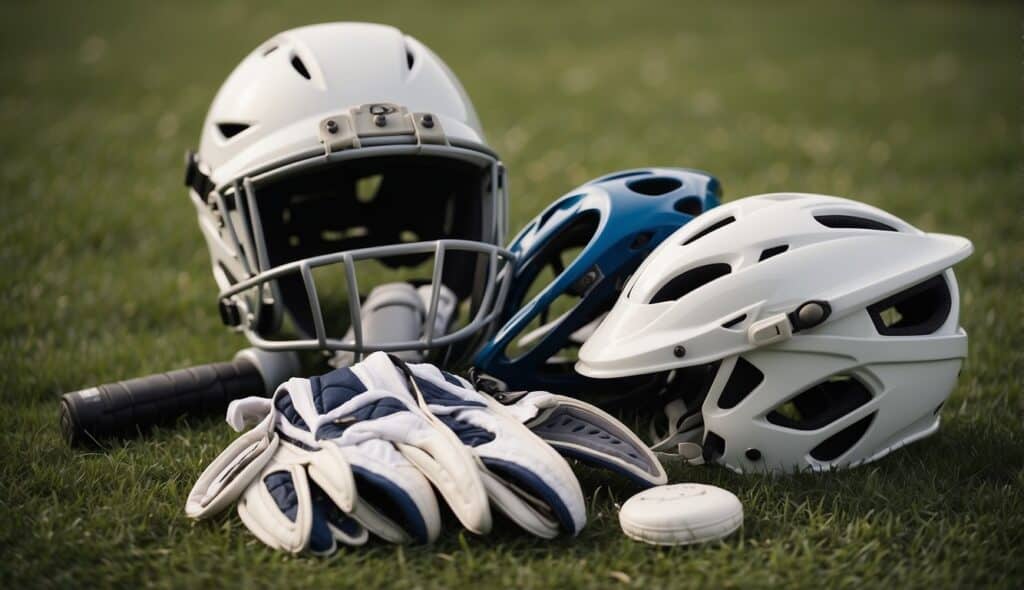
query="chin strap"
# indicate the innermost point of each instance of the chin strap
(781, 326)
(683, 439)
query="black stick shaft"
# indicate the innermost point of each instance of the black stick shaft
(127, 406)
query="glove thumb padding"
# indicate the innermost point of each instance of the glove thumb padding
(524, 477)
(433, 448)
(224, 480)
(345, 410)
(285, 510)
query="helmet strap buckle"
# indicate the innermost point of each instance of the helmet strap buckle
(770, 330)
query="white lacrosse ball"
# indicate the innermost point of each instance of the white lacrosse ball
(681, 514)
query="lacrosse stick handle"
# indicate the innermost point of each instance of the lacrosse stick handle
(127, 407)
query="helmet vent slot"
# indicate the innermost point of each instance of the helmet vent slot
(773, 251)
(269, 50)
(410, 58)
(692, 206)
(852, 222)
(714, 447)
(834, 446)
(654, 186)
(550, 211)
(822, 404)
(744, 379)
(709, 229)
(557, 318)
(689, 281)
(229, 130)
(300, 67)
(734, 321)
(919, 310)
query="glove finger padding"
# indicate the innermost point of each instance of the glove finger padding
(525, 478)
(287, 511)
(337, 411)
(395, 501)
(582, 431)
(328, 462)
(428, 444)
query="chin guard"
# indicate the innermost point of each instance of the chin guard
(584, 432)
(684, 437)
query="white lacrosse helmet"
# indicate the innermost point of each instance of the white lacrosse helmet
(339, 143)
(830, 329)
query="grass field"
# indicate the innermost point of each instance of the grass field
(913, 106)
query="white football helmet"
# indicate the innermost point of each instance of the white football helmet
(829, 329)
(341, 143)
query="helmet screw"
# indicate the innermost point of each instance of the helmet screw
(811, 313)
(380, 120)
(753, 454)
(588, 278)
(332, 126)
(679, 351)
(428, 121)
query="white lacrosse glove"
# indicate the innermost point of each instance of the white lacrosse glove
(518, 446)
(339, 451)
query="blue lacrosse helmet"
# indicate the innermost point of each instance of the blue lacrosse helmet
(571, 263)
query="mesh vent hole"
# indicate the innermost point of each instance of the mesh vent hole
(689, 281)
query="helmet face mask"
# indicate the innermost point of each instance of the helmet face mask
(305, 191)
(834, 328)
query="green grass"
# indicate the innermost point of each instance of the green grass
(913, 106)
